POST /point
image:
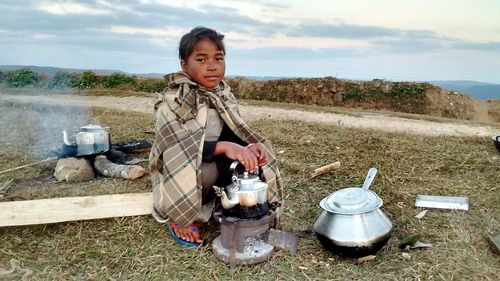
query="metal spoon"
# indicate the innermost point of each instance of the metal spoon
(369, 178)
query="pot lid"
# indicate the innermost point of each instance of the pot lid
(351, 200)
(92, 127)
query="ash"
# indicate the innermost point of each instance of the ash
(256, 247)
(256, 250)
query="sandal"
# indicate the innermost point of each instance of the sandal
(192, 228)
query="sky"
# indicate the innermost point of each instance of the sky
(398, 40)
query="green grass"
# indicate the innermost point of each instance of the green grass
(139, 248)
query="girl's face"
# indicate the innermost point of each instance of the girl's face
(206, 64)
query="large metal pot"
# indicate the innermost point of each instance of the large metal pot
(352, 224)
(496, 142)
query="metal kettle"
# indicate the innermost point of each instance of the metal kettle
(91, 139)
(246, 190)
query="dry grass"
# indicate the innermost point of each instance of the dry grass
(139, 248)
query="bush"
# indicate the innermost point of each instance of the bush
(87, 80)
(150, 85)
(407, 91)
(354, 93)
(3, 76)
(116, 80)
(62, 80)
(22, 77)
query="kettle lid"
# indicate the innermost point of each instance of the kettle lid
(92, 127)
(247, 179)
(350, 201)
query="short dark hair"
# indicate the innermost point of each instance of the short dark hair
(190, 39)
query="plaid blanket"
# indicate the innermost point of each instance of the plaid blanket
(176, 155)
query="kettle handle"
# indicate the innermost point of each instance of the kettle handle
(235, 164)
(233, 167)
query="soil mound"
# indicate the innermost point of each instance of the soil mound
(409, 97)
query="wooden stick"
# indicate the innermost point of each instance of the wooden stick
(326, 169)
(28, 165)
(64, 209)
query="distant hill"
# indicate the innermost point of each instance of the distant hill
(478, 90)
(51, 71)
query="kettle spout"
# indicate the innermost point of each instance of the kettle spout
(225, 201)
(66, 138)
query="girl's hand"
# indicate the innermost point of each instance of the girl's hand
(234, 151)
(259, 151)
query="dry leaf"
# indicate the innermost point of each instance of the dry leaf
(419, 244)
(367, 258)
(421, 214)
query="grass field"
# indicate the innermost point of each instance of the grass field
(139, 248)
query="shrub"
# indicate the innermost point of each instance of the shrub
(22, 77)
(62, 80)
(87, 80)
(116, 80)
(151, 85)
(407, 91)
(3, 76)
(354, 93)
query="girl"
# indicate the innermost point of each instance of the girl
(198, 134)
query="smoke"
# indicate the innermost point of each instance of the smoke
(34, 130)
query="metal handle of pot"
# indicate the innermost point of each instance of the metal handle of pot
(369, 178)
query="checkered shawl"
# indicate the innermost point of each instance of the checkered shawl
(176, 155)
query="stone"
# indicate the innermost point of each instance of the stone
(74, 170)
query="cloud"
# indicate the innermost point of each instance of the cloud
(122, 33)
(482, 46)
(290, 53)
(127, 24)
(350, 31)
(65, 8)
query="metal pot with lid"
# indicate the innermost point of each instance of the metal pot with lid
(352, 223)
(90, 140)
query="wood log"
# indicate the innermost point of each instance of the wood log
(326, 169)
(65, 209)
(107, 168)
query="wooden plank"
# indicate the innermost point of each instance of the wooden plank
(64, 209)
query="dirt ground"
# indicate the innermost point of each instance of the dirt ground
(378, 121)
(139, 248)
(374, 95)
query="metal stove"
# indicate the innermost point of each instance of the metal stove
(243, 241)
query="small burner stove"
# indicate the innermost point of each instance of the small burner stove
(243, 241)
